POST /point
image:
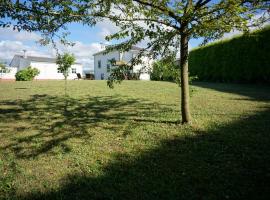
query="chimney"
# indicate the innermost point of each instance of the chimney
(103, 46)
(24, 53)
(121, 54)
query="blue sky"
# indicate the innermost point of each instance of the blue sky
(87, 41)
(92, 34)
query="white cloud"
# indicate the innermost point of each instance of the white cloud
(13, 42)
(10, 34)
(251, 28)
(9, 48)
(107, 28)
(105, 32)
(231, 34)
(83, 52)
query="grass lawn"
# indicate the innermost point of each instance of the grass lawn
(127, 143)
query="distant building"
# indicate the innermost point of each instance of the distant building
(47, 67)
(102, 65)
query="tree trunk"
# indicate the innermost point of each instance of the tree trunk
(66, 100)
(184, 80)
(65, 86)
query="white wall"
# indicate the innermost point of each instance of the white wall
(126, 56)
(104, 60)
(10, 74)
(49, 71)
(145, 67)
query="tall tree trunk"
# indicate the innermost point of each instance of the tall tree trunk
(184, 79)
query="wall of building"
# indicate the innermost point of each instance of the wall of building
(127, 56)
(50, 71)
(10, 75)
(144, 68)
(47, 70)
(99, 72)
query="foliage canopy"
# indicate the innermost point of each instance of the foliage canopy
(64, 63)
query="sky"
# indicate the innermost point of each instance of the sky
(87, 42)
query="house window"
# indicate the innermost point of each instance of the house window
(99, 64)
(110, 63)
(73, 70)
(113, 60)
(59, 71)
(3, 71)
(102, 76)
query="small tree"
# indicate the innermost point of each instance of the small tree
(64, 63)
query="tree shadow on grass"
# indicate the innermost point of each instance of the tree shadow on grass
(230, 162)
(43, 122)
(226, 162)
(251, 92)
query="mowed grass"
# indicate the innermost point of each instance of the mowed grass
(127, 143)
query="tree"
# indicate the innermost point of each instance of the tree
(64, 63)
(168, 25)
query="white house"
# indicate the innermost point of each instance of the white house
(47, 67)
(102, 64)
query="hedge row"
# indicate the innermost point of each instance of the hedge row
(244, 58)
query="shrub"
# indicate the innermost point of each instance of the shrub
(27, 74)
(240, 59)
(164, 70)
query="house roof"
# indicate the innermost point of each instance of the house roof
(39, 59)
(134, 48)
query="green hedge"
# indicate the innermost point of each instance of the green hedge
(244, 58)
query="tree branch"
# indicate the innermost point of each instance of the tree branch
(165, 10)
(144, 19)
(201, 3)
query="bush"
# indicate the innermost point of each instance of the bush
(164, 70)
(240, 59)
(27, 74)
